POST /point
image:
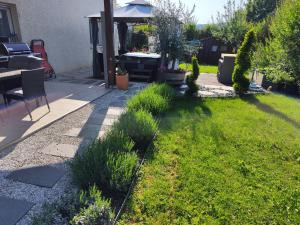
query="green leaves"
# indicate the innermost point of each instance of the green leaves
(243, 63)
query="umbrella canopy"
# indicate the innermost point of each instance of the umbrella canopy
(136, 11)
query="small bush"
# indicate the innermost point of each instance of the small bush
(243, 63)
(165, 90)
(155, 99)
(192, 86)
(121, 170)
(139, 126)
(96, 211)
(148, 101)
(103, 161)
(196, 70)
(69, 209)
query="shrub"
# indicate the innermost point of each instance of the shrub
(96, 211)
(196, 70)
(102, 160)
(192, 86)
(285, 29)
(121, 170)
(243, 63)
(165, 90)
(148, 101)
(139, 126)
(70, 207)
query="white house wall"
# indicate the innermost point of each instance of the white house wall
(61, 24)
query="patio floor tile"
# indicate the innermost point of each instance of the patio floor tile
(43, 176)
(12, 210)
(61, 150)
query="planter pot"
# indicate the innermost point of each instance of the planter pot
(172, 77)
(122, 82)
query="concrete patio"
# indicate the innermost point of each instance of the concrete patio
(66, 94)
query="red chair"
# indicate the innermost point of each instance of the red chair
(38, 47)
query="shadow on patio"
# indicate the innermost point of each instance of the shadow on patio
(63, 97)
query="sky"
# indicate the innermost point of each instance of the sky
(205, 9)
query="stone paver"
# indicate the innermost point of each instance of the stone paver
(12, 210)
(117, 111)
(60, 150)
(43, 176)
(73, 132)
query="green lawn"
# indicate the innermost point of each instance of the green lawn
(203, 68)
(222, 161)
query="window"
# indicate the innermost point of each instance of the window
(7, 31)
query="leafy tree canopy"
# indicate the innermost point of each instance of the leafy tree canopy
(257, 10)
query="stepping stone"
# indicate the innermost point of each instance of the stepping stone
(102, 111)
(90, 131)
(118, 104)
(43, 176)
(61, 150)
(96, 118)
(109, 121)
(101, 134)
(115, 111)
(123, 98)
(73, 132)
(12, 210)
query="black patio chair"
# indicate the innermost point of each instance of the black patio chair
(32, 88)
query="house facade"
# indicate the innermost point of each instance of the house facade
(60, 23)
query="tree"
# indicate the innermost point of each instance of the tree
(257, 10)
(231, 24)
(285, 29)
(169, 21)
(191, 32)
(243, 63)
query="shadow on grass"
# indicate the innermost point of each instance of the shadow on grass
(269, 109)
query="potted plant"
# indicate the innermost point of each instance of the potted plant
(169, 19)
(121, 79)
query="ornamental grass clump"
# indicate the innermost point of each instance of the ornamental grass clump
(155, 99)
(148, 101)
(243, 63)
(96, 210)
(77, 208)
(140, 126)
(164, 90)
(109, 163)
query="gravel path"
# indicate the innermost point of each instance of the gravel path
(92, 119)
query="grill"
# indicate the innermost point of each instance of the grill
(11, 49)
